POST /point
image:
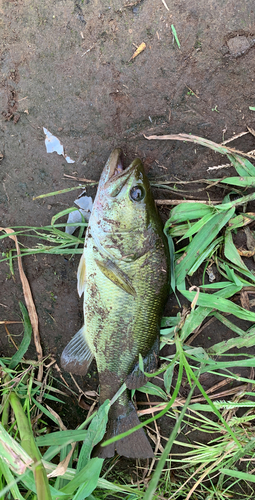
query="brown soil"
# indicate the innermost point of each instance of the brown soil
(66, 66)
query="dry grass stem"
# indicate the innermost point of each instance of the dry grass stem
(206, 472)
(200, 399)
(234, 137)
(29, 302)
(57, 417)
(194, 139)
(189, 478)
(218, 167)
(10, 337)
(178, 202)
(164, 3)
(78, 178)
(9, 322)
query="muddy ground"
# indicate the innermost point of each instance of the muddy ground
(65, 65)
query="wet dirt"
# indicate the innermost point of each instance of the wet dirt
(66, 66)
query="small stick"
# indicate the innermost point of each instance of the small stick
(23, 98)
(194, 93)
(163, 1)
(8, 322)
(78, 178)
(87, 51)
(177, 202)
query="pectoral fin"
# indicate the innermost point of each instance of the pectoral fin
(116, 275)
(77, 356)
(81, 275)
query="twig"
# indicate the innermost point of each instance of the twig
(164, 3)
(8, 322)
(194, 93)
(177, 202)
(86, 51)
(78, 178)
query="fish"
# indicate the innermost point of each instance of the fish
(124, 276)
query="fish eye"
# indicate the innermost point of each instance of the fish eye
(137, 193)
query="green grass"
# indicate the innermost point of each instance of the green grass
(203, 471)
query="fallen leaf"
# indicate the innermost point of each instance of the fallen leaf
(245, 253)
(62, 466)
(244, 297)
(138, 51)
(250, 240)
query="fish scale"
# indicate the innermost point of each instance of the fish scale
(124, 276)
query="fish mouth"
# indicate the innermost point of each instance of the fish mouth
(116, 163)
(116, 168)
(116, 175)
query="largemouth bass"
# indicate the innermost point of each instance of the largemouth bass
(123, 274)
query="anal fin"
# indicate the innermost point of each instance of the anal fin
(77, 356)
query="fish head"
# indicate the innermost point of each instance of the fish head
(124, 197)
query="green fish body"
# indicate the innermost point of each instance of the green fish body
(123, 274)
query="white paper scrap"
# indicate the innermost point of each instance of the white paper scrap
(53, 144)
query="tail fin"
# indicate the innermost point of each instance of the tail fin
(121, 419)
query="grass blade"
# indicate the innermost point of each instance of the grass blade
(224, 305)
(91, 475)
(11, 482)
(200, 242)
(245, 476)
(95, 434)
(231, 252)
(60, 438)
(154, 390)
(175, 36)
(206, 254)
(171, 254)
(156, 476)
(190, 211)
(246, 181)
(84, 477)
(12, 453)
(28, 444)
(238, 342)
(17, 357)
